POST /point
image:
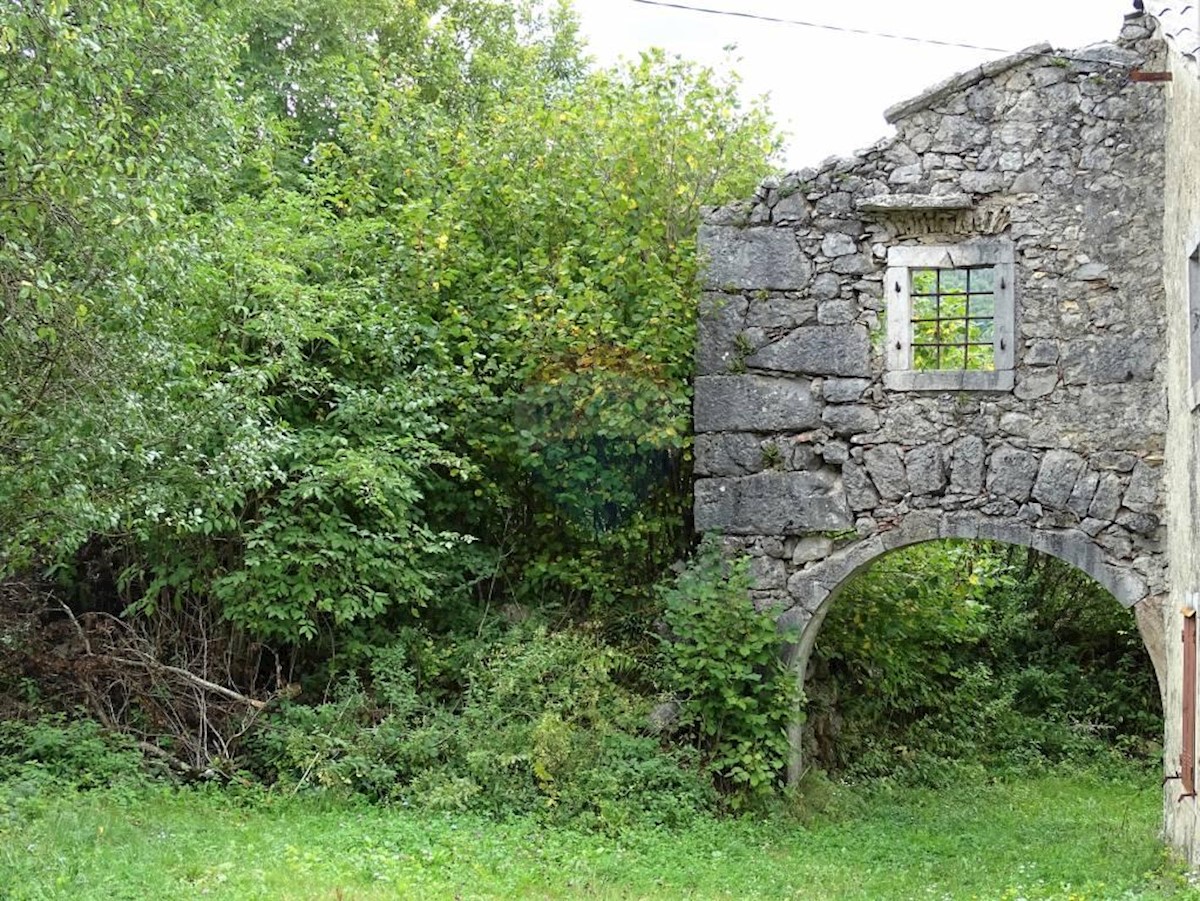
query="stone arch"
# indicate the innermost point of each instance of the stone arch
(819, 584)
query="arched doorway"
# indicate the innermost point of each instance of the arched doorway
(817, 586)
(952, 656)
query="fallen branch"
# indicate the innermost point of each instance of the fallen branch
(170, 759)
(194, 679)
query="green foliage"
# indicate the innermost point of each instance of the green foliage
(333, 531)
(723, 657)
(308, 296)
(68, 753)
(948, 655)
(113, 122)
(544, 726)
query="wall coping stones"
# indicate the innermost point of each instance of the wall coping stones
(962, 80)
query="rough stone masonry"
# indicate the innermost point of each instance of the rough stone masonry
(810, 463)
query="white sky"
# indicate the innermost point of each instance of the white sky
(828, 90)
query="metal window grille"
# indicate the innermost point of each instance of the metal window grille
(953, 318)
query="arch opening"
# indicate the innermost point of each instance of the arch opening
(895, 590)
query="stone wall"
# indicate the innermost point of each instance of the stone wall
(1181, 237)
(808, 463)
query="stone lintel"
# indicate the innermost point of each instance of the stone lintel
(915, 203)
(772, 503)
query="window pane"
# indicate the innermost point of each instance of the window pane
(983, 305)
(953, 331)
(924, 358)
(954, 306)
(983, 280)
(981, 357)
(925, 308)
(953, 358)
(925, 333)
(953, 281)
(924, 281)
(952, 313)
(982, 331)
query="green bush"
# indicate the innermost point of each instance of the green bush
(543, 725)
(723, 659)
(68, 753)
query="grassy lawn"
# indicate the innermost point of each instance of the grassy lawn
(1064, 837)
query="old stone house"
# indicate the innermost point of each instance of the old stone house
(984, 326)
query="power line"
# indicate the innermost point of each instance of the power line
(865, 32)
(821, 25)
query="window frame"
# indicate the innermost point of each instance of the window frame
(900, 375)
(1188, 712)
(1192, 284)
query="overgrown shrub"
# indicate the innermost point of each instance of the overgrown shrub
(723, 658)
(69, 753)
(544, 725)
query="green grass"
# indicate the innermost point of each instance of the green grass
(1058, 836)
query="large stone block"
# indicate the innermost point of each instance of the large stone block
(1142, 523)
(886, 467)
(780, 312)
(859, 491)
(722, 319)
(811, 549)
(754, 403)
(793, 208)
(1011, 473)
(753, 259)
(1083, 492)
(728, 454)
(1110, 360)
(926, 475)
(966, 466)
(844, 391)
(826, 286)
(1107, 500)
(841, 350)
(1056, 478)
(1143, 488)
(767, 573)
(837, 245)
(772, 503)
(850, 419)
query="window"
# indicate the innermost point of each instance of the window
(1187, 752)
(950, 317)
(1193, 289)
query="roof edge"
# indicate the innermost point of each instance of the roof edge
(1179, 25)
(955, 83)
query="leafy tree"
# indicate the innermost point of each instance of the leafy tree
(113, 121)
(320, 314)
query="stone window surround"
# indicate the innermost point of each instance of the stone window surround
(900, 374)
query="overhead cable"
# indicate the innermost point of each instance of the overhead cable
(863, 32)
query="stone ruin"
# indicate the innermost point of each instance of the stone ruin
(847, 403)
